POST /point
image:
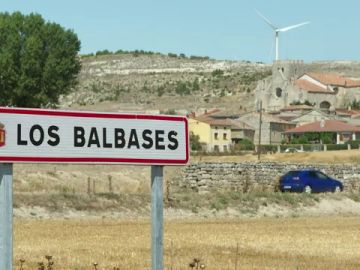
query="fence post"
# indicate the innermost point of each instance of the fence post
(88, 186)
(94, 190)
(110, 184)
(349, 146)
(236, 256)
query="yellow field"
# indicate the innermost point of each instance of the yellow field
(266, 243)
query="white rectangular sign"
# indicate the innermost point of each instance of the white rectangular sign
(37, 135)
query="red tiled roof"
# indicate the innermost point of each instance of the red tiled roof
(347, 111)
(287, 117)
(297, 107)
(310, 87)
(334, 79)
(328, 126)
(212, 121)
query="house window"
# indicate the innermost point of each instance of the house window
(216, 136)
(225, 148)
(225, 136)
(216, 148)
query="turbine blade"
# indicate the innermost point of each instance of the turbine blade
(266, 20)
(292, 27)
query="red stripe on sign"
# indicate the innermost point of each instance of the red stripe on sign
(91, 160)
(90, 114)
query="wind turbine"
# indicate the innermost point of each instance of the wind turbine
(278, 30)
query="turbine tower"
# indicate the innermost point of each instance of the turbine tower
(278, 30)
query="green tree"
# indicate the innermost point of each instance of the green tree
(195, 144)
(38, 60)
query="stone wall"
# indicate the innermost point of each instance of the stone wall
(260, 176)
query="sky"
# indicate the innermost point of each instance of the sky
(226, 29)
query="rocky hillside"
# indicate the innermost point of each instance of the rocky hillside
(142, 82)
(158, 82)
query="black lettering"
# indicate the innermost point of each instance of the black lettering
(159, 138)
(79, 136)
(93, 138)
(33, 140)
(146, 137)
(53, 135)
(172, 138)
(105, 143)
(133, 139)
(19, 140)
(119, 138)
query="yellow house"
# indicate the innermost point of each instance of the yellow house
(215, 134)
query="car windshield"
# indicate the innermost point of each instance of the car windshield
(321, 175)
(292, 173)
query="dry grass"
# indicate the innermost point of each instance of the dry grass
(266, 243)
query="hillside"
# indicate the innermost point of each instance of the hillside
(152, 82)
(157, 82)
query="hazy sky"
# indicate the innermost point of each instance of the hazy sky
(226, 29)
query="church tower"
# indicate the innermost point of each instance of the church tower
(276, 93)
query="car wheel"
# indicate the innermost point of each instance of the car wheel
(307, 189)
(337, 189)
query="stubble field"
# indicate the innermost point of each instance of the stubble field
(263, 243)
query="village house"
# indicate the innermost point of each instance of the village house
(214, 134)
(342, 132)
(241, 131)
(272, 127)
(310, 117)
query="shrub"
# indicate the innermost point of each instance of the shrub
(195, 144)
(182, 89)
(217, 73)
(103, 52)
(195, 84)
(336, 147)
(354, 144)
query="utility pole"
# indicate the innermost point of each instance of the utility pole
(260, 122)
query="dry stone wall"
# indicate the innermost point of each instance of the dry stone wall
(258, 176)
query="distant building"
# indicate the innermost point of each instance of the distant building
(241, 131)
(290, 84)
(214, 134)
(343, 132)
(310, 117)
(272, 127)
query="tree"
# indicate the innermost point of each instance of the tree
(195, 144)
(38, 60)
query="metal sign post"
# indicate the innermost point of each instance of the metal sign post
(157, 218)
(6, 216)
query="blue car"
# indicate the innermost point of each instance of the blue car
(309, 181)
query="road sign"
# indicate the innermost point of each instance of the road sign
(37, 135)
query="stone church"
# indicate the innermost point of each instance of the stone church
(290, 84)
